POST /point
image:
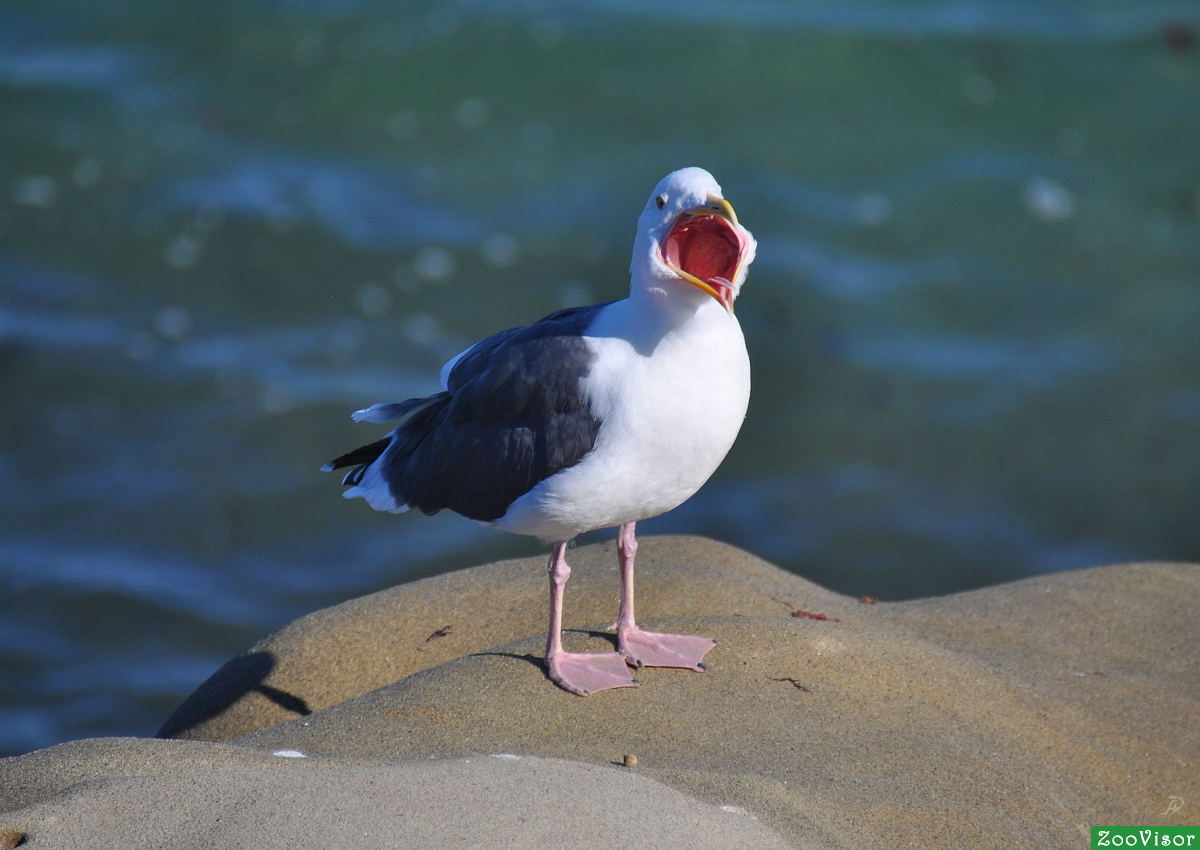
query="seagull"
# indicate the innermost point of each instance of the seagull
(591, 417)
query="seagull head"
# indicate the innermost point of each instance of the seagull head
(689, 239)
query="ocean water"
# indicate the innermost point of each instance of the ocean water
(224, 225)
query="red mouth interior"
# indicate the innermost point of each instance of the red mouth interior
(705, 246)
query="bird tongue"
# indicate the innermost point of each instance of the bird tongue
(705, 246)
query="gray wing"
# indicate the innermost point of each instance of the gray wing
(513, 414)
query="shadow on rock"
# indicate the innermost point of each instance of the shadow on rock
(233, 681)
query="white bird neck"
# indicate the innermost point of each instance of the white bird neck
(670, 309)
(673, 303)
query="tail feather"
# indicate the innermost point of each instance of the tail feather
(367, 479)
(362, 456)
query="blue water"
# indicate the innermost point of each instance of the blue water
(225, 225)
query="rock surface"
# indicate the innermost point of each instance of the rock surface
(1019, 714)
(400, 631)
(168, 797)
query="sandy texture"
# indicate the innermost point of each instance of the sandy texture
(1016, 715)
(485, 801)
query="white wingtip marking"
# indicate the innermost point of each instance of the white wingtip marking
(381, 412)
(327, 467)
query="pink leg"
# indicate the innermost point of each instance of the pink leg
(578, 672)
(650, 649)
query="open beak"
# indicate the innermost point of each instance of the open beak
(716, 206)
(707, 237)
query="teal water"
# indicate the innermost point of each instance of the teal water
(223, 226)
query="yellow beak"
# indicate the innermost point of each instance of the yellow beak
(715, 206)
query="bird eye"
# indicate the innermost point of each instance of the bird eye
(661, 201)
